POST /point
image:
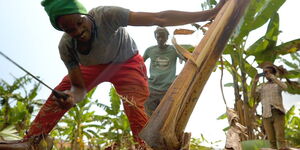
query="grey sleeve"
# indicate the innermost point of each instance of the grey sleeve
(115, 17)
(66, 54)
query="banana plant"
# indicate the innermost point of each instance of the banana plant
(240, 59)
(79, 124)
(83, 128)
(292, 130)
(118, 131)
(17, 103)
(293, 86)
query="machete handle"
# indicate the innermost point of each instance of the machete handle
(59, 94)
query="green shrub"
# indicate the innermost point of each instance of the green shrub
(255, 144)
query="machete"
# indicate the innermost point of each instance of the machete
(56, 93)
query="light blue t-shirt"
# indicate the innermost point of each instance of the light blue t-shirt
(162, 66)
(111, 43)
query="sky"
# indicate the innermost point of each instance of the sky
(28, 38)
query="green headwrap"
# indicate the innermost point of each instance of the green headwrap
(56, 8)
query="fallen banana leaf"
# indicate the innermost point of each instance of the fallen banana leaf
(183, 31)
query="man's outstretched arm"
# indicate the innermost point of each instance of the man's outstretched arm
(172, 17)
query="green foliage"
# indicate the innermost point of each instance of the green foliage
(116, 122)
(115, 102)
(208, 4)
(17, 103)
(293, 86)
(294, 64)
(263, 48)
(197, 143)
(288, 47)
(81, 125)
(258, 13)
(188, 47)
(292, 130)
(255, 144)
(223, 116)
(228, 85)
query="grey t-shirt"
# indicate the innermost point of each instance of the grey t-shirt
(111, 43)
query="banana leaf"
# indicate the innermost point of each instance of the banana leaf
(257, 15)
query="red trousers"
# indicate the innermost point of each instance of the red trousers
(128, 78)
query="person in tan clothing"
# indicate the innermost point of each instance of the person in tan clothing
(273, 112)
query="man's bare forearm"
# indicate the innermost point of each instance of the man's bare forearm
(173, 18)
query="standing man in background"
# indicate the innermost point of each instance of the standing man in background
(273, 112)
(162, 68)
